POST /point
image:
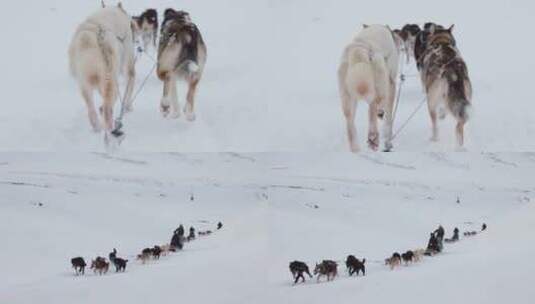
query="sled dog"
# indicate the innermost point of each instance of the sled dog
(368, 72)
(102, 49)
(447, 84)
(181, 55)
(146, 25)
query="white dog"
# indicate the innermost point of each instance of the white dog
(368, 71)
(102, 48)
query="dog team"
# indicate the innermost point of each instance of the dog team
(103, 48)
(370, 67)
(101, 266)
(329, 268)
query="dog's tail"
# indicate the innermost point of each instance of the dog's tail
(189, 55)
(459, 92)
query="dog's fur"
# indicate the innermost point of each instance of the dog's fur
(408, 35)
(446, 81)
(100, 265)
(368, 71)
(433, 246)
(470, 233)
(354, 265)
(156, 252)
(166, 249)
(120, 264)
(408, 257)
(455, 236)
(191, 235)
(297, 269)
(79, 265)
(145, 255)
(102, 48)
(326, 268)
(420, 43)
(181, 55)
(146, 25)
(418, 255)
(393, 261)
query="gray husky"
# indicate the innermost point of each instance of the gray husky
(445, 78)
(181, 55)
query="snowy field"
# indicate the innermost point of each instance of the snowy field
(270, 80)
(275, 208)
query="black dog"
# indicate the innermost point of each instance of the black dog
(156, 252)
(432, 246)
(455, 236)
(354, 265)
(120, 264)
(297, 269)
(78, 264)
(408, 257)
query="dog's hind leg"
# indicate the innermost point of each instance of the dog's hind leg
(87, 94)
(349, 108)
(389, 117)
(434, 98)
(173, 98)
(164, 103)
(109, 94)
(459, 133)
(131, 72)
(373, 131)
(189, 109)
(433, 114)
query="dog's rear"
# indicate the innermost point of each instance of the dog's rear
(182, 49)
(102, 45)
(368, 72)
(445, 77)
(181, 55)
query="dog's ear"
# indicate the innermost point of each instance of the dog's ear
(451, 28)
(432, 28)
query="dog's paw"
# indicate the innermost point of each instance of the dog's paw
(174, 115)
(388, 147)
(164, 109)
(190, 116)
(373, 141)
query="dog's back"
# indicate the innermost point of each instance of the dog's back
(97, 45)
(368, 63)
(442, 62)
(182, 50)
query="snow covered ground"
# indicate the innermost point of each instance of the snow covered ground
(270, 80)
(275, 208)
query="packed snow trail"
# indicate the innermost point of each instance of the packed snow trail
(280, 208)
